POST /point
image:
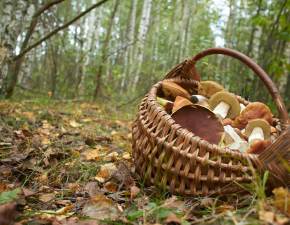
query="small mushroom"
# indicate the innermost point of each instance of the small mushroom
(201, 122)
(258, 146)
(254, 110)
(209, 88)
(200, 100)
(258, 129)
(172, 90)
(233, 141)
(225, 104)
(227, 121)
(167, 105)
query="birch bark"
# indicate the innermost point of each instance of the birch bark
(142, 33)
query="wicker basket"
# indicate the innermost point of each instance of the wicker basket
(171, 157)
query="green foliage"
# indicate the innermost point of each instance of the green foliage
(9, 196)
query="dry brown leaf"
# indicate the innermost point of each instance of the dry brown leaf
(30, 116)
(134, 191)
(111, 187)
(92, 188)
(126, 156)
(46, 197)
(100, 208)
(172, 219)
(90, 155)
(111, 157)
(105, 172)
(267, 216)
(74, 124)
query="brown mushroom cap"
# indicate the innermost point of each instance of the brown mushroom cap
(258, 146)
(263, 124)
(179, 103)
(254, 110)
(209, 88)
(171, 89)
(228, 98)
(201, 122)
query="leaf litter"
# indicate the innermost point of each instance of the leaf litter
(71, 163)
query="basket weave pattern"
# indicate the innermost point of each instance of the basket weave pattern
(173, 158)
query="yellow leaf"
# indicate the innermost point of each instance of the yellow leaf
(105, 172)
(267, 216)
(46, 197)
(91, 155)
(74, 124)
(126, 155)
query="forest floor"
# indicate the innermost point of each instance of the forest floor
(70, 163)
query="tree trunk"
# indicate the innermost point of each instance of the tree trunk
(130, 49)
(105, 51)
(143, 29)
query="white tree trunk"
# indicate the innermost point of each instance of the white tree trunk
(12, 23)
(129, 53)
(142, 33)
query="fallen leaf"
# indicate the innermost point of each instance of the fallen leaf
(126, 155)
(92, 188)
(111, 187)
(267, 216)
(46, 197)
(111, 157)
(172, 219)
(100, 208)
(123, 175)
(91, 155)
(134, 191)
(105, 172)
(74, 124)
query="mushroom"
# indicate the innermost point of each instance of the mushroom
(200, 100)
(179, 103)
(233, 141)
(258, 129)
(201, 122)
(254, 110)
(209, 88)
(167, 105)
(172, 90)
(225, 104)
(227, 121)
(258, 146)
(242, 106)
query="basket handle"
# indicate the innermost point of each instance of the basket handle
(190, 67)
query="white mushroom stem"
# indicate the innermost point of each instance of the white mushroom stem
(242, 107)
(238, 142)
(222, 109)
(257, 134)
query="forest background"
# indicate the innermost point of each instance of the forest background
(117, 49)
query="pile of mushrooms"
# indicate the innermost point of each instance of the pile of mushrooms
(217, 116)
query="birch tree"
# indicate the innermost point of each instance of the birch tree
(142, 33)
